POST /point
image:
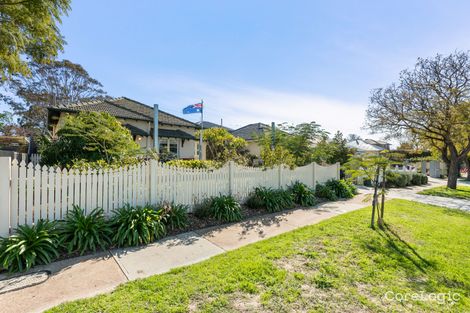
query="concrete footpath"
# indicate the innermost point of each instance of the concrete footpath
(99, 273)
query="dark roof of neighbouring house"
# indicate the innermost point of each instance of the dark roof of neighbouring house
(248, 132)
(361, 146)
(207, 125)
(376, 142)
(125, 108)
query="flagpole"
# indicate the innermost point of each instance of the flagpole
(202, 129)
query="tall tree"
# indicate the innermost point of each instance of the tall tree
(467, 165)
(354, 137)
(29, 30)
(297, 141)
(59, 83)
(431, 102)
(332, 150)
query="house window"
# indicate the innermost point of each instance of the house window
(163, 145)
(174, 148)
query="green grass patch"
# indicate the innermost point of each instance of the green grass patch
(338, 265)
(462, 192)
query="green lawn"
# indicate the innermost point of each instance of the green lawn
(462, 192)
(339, 265)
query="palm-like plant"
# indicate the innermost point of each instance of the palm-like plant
(302, 194)
(175, 216)
(137, 226)
(30, 245)
(82, 232)
(272, 200)
(226, 208)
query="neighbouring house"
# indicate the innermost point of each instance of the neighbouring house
(249, 133)
(361, 146)
(208, 125)
(379, 143)
(16, 147)
(176, 135)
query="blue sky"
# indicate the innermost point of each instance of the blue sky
(256, 60)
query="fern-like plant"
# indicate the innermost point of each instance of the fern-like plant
(81, 232)
(29, 246)
(302, 194)
(137, 225)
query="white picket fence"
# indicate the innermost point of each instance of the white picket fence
(30, 192)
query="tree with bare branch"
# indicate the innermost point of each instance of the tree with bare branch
(432, 103)
(59, 83)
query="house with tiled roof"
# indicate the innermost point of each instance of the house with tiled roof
(176, 135)
(208, 125)
(250, 133)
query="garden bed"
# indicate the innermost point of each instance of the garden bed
(84, 232)
(338, 265)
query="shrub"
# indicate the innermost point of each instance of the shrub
(203, 209)
(166, 156)
(302, 194)
(272, 200)
(82, 232)
(419, 179)
(137, 226)
(226, 208)
(395, 179)
(90, 137)
(175, 216)
(325, 192)
(341, 188)
(30, 245)
(199, 164)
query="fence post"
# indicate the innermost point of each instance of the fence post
(338, 172)
(153, 182)
(280, 177)
(314, 180)
(230, 178)
(5, 194)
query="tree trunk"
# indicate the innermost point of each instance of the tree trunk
(382, 207)
(453, 173)
(467, 165)
(375, 198)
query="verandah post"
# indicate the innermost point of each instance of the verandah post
(5, 195)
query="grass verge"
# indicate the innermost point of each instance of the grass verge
(462, 192)
(338, 265)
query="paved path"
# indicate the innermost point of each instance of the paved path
(87, 276)
(451, 203)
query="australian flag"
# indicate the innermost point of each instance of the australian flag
(193, 108)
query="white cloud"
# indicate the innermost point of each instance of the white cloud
(239, 105)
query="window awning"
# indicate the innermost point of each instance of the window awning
(173, 133)
(136, 131)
